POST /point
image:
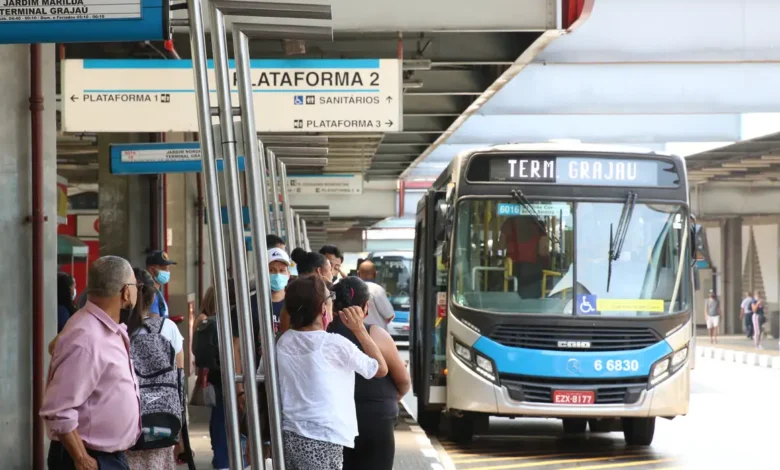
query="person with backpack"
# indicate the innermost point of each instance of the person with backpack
(156, 351)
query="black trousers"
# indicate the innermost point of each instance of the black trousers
(59, 459)
(374, 446)
(749, 324)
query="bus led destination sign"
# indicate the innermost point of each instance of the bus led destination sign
(572, 170)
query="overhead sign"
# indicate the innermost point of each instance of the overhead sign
(66, 21)
(149, 159)
(573, 170)
(325, 184)
(290, 95)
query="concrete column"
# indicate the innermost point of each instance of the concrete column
(125, 212)
(16, 412)
(731, 256)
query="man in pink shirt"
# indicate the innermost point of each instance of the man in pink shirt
(91, 407)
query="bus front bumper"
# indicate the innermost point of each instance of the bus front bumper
(468, 391)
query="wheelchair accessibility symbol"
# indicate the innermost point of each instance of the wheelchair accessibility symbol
(586, 304)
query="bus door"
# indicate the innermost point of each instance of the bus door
(428, 322)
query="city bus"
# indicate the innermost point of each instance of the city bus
(554, 281)
(394, 273)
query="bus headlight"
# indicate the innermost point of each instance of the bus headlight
(660, 371)
(464, 352)
(679, 357)
(667, 366)
(475, 361)
(485, 368)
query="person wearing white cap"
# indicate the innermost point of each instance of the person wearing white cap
(279, 269)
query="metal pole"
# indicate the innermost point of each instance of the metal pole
(219, 271)
(288, 223)
(298, 233)
(306, 245)
(236, 230)
(277, 210)
(255, 173)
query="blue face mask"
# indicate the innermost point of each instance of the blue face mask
(163, 277)
(279, 282)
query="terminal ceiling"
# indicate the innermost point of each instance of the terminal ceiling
(635, 72)
(467, 49)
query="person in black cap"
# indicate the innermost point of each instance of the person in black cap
(158, 264)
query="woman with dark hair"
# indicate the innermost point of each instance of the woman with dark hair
(307, 264)
(315, 367)
(376, 400)
(66, 293)
(164, 458)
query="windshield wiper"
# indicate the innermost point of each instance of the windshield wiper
(523, 201)
(616, 240)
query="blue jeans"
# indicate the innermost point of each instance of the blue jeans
(218, 433)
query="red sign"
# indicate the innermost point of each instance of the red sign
(441, 304)
(96, 225)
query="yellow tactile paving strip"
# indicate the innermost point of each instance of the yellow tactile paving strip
(552, 454)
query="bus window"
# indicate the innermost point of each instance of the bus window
(510, 258)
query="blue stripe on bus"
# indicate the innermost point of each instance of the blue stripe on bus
(401, 317)
(571, 364)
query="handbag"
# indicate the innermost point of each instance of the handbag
(204, 393)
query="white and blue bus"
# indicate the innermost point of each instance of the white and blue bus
(394, 273)
(554, 281)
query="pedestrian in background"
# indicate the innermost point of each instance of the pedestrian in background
(91, 406)
(140, 323)
(712, 314)
(159, 266)
(380, 310)
(336, 258)
(758, 318)
(746, 313)
(66, 294)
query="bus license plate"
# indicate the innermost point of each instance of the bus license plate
(567, 397)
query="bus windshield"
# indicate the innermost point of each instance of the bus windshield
(394, 273)
(515, 256)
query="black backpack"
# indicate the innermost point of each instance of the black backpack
(160, 383)
(205, 344)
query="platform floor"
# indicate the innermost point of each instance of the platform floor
(411, 446)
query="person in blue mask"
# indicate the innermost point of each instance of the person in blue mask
(158, 264)
(279, 269)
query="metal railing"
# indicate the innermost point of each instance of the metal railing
(260, 220)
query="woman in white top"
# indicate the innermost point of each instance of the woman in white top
(315, 367)
(164, 458)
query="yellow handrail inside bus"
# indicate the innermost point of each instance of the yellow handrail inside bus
(507, 272)
(545, 274)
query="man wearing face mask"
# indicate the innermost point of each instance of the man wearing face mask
(158, 264)
(91, 406)
(279, 269)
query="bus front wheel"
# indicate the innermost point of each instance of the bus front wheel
(460, 429)
(428, 419)
(574, 425)
(638, 431)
